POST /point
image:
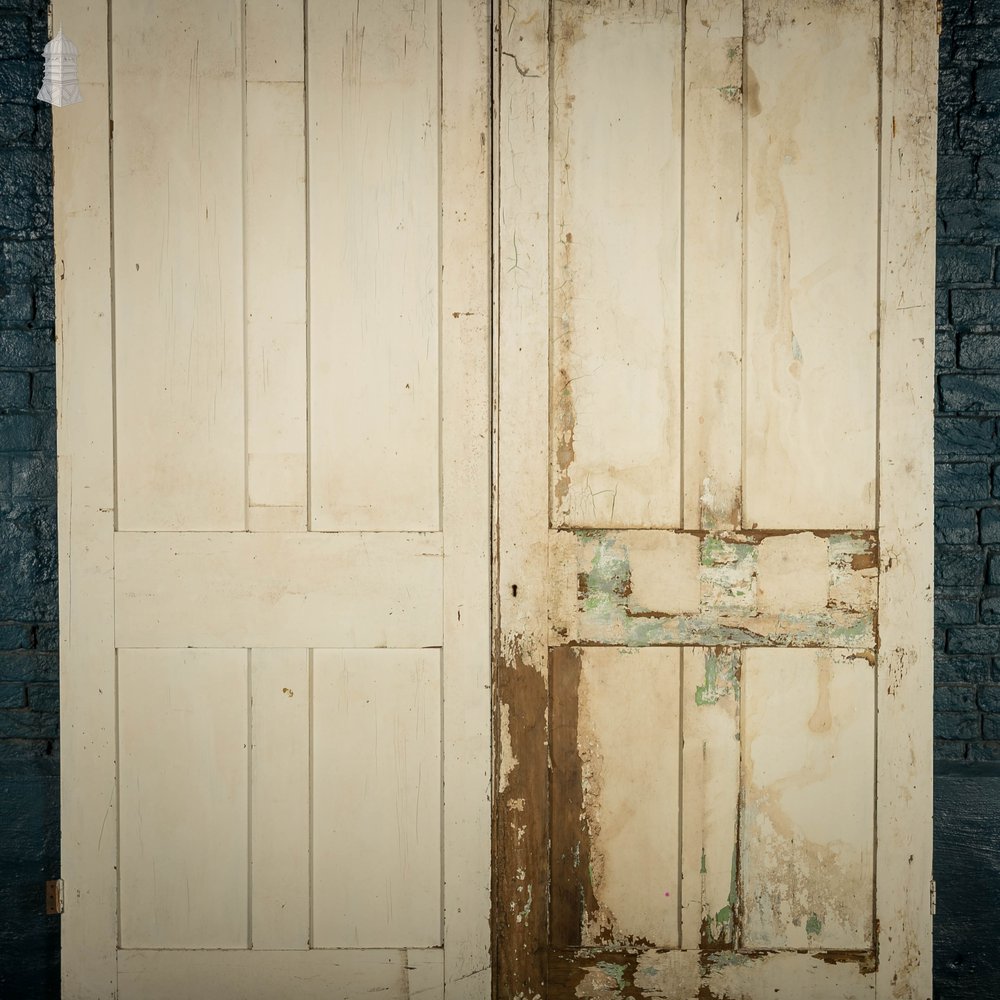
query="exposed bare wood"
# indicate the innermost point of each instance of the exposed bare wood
(521, 868)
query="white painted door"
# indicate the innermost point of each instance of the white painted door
(714, 283)
(274, 397)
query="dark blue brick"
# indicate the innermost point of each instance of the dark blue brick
(14, 635)
(979, 130)
(45, 304)
(949, 750)
(955, 525)
(958, 566)
(25, 348)
(989, 526)
(43, 390)
(12, 695)
(991, 727)
(954, 698)
(955, 86)
(956, 725)
(17, 304)
(987, 84)
(975, 308)
(18, 124)
(28, 758)
(43, 697)
(956, 176)
(983, 12)
(965, 436)
(29, 665)
(15, 36)
(955, 482)
(33, 477)
(24, 175)
(979, 350)
(20, 80)
(947, 132)
(988, 698)
(47, 636)
(956, 610)
(971, 220)
(29, 260)
(23, 724)
(980, 751)
(975, 639)
(962, 669)
(942, 321)
(965, 392)
(27, 431)
(987, 177)
(960, 264)
(990, 611)
(15, 390)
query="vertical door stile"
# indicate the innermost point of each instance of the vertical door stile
(85, 440)
(904, 771)
(466, 335)
(521, 845)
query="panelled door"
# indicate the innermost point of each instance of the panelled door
(274, 347)
(714, 283)
(711, 232)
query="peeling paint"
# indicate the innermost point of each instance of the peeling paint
(721, 679)
(597, 604)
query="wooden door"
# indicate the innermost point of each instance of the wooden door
(272, 226)
(714, 285)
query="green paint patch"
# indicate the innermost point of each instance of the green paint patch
(813, 925)
(718, 958)
(731, 94)
(720, 679)
(615, 972)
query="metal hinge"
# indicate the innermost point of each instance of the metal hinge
(933, 897)
(54, 896)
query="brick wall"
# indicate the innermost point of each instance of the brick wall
(967, 556)
(29, 702)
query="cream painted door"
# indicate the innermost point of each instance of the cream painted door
(274, 398)
(714, 283)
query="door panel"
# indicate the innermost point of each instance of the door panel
(283, 701)
(700, 461)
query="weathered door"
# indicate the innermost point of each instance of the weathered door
(714, 284)
(274, 316)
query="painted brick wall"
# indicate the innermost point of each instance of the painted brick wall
(967, 557)
(29, 768)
